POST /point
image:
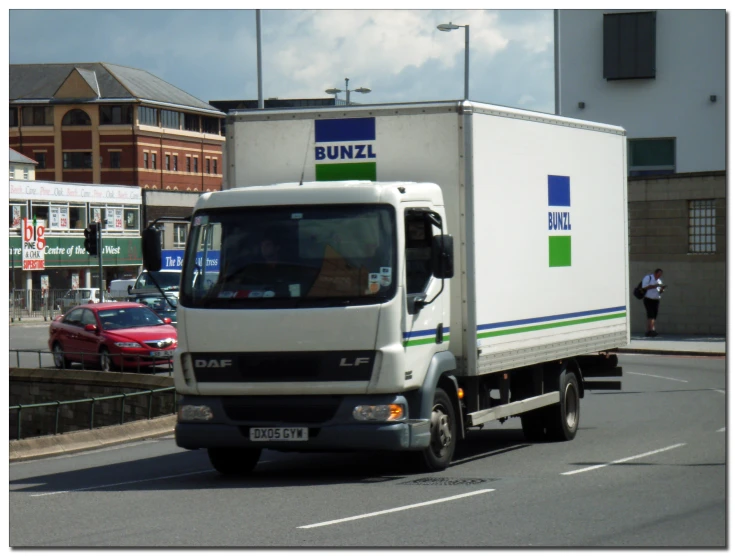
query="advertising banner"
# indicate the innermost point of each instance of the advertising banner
(34, 244)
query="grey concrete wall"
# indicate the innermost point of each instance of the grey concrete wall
(658, 218)
(30, 386)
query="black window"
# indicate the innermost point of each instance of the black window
(145, 160)
(13, 117)
(77, 160)
(188, 164)
(114, 160)
(168, 162)
(196, 164)
(74, 318)
(147, 116)
(41, 159)
(88, 318)
(76, 117)
(176, 163)
(649, 157)
(214, 162)
(210, 125)
(153, 160)
(629, 50)
(191, 122)
(207, 166)
(418, 253)
(116, 114)
(38, 115)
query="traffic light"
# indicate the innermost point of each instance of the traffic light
(90, 239)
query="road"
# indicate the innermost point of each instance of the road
(647, 469)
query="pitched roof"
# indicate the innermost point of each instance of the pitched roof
(19, 158)
(41, 81)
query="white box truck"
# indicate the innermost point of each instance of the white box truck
(393, 276)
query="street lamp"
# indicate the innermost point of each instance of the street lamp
(347, 90)
(451, 27)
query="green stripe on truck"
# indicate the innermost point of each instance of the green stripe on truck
(549, 325)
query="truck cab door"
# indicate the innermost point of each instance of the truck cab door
(426, 327)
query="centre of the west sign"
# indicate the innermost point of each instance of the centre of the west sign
(69, 251)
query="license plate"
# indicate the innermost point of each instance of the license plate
(165, 353)
(289, 434)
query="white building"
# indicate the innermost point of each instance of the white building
(21, 167)
(661, 75)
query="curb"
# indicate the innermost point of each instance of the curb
(78, 441)
(671, 352)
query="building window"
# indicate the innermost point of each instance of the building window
(40, 211)
(650, 157)
(41, 159)
(191, 122)
(13, 117)
(207, 166)
(17, 213)
(176, 163)
(629, 46)
(179, 236)
(188, 164)
(168, 162)
(117, 114)
(214, 163)
(196, 164)
(170, 119)
(702, 226)
(38, 115)
(147, 116)
(114, 160)
(76, 117)
(145, 160)
(25, 173)
(153, 161)
(77, 217)
(210, 125)
(131, 219)
(77, 161)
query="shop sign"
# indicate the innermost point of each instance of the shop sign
(59, 252)
(34, 244)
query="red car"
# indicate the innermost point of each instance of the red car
(112, 335)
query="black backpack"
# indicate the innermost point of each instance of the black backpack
(638, 291)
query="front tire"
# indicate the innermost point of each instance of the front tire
(438, 455)
(60, 361)
(234, 461)
(106, 364)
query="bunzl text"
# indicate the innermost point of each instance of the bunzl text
(344, 152)
(559, 221)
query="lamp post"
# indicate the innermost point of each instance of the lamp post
(347, 90)
(451, 27)
(260, 64)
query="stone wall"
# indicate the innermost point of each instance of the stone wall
(31, 386)
(658, 219)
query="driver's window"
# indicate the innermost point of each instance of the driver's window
(418, 253)
(74, 318)
(88, 318)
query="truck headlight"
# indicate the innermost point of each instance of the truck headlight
(195, 413)
(388, 412)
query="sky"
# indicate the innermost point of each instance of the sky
(399, 54)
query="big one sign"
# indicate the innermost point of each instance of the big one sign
(34, 244)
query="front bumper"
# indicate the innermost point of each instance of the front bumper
(338, 432)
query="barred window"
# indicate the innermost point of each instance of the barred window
(702, 226)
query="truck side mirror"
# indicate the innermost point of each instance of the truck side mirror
(152, 249)
(442, 256)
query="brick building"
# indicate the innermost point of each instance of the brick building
(108, 124)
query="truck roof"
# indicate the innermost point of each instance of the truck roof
(331, 192)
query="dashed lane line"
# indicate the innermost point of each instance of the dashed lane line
(399, 509)
(593, 467)
(656, 376)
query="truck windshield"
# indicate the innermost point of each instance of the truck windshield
(304, 256)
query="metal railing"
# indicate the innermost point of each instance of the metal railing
(118, 361)
(20, 407)
(32, 303)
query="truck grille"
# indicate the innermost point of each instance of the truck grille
(281, 409)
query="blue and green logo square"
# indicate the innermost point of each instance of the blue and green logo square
(560, 225)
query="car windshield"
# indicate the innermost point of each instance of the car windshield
(166, 280)
(158, 303)
(128, 317)
(302, 256)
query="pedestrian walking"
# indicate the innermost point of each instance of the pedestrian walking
(653, 286)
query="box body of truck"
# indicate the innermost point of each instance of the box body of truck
(536, 206)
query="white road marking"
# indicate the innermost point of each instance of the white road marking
(399, 509)
(722, 429)
(720, 391)
(124, 483)
(656, 376)
(622, 460)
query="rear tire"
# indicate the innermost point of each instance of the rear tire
(563, 418)
(106, 364)
(534, 425)
(60, 361)
(443, 426)
(234, 461)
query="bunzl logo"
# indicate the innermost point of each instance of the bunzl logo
(560, 223)
(345, 149)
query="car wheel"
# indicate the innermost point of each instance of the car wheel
(60, 361)
(106, 363)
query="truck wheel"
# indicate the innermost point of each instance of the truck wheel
(234, 461)
(534, 425)
(438, 455)
(563, 418)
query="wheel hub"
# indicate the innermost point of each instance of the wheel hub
(441, 432)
